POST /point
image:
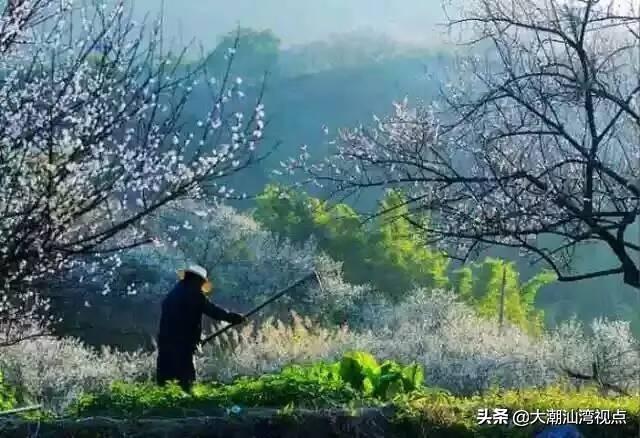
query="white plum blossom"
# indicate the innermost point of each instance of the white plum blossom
(92, 142)
(245, 261)
(459, 351)
(540, 138)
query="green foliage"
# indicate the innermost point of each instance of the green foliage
(432, 411)
(481, 285)
(391, 254)
(7, 396)
(361, 371)
(357, 377)
(387, 253)
(463, 283)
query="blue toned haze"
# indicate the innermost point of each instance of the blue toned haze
(300, 22)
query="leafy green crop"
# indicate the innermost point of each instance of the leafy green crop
(384, 382)
(356, 378)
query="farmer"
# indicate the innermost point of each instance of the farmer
(181, 326)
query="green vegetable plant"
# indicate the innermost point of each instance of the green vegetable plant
(383, 382)
(356, 380)
(357, 377)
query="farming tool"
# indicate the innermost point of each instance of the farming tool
(20, 410)
(311, 277)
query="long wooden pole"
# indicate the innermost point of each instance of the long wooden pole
(263, 305)
(20, 410)
(502, 290)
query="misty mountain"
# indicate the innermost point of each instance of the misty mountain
(312, 91)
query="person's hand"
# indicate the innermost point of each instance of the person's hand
(236, 318)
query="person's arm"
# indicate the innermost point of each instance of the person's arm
(220, 314)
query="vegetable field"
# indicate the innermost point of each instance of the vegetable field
(355, 394)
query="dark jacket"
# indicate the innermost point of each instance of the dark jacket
(181, 319)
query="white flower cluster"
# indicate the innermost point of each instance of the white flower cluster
(55, 371)
(92, 143)
(245, 261)
(459, 351)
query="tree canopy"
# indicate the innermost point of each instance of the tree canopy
(535, 147)
(392, 255)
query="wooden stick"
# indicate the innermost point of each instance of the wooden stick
(261, 306)
(19, 410)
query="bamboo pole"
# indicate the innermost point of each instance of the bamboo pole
(502, 290)
(20, 410)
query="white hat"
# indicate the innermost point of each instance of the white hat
(200, 272)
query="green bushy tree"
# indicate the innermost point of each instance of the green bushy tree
(481, 285)
(385, 253)
(388, 254)
(395, 243)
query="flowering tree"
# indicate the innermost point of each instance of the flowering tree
(537, 149)
(245, 261)
(92, 142)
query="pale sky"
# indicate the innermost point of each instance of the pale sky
(300, 21)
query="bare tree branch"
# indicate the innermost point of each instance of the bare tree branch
(536, 148)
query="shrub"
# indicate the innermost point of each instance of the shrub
(467, 354)
(461, 351)
(606, 348)
(55, 371)
(335, 301)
